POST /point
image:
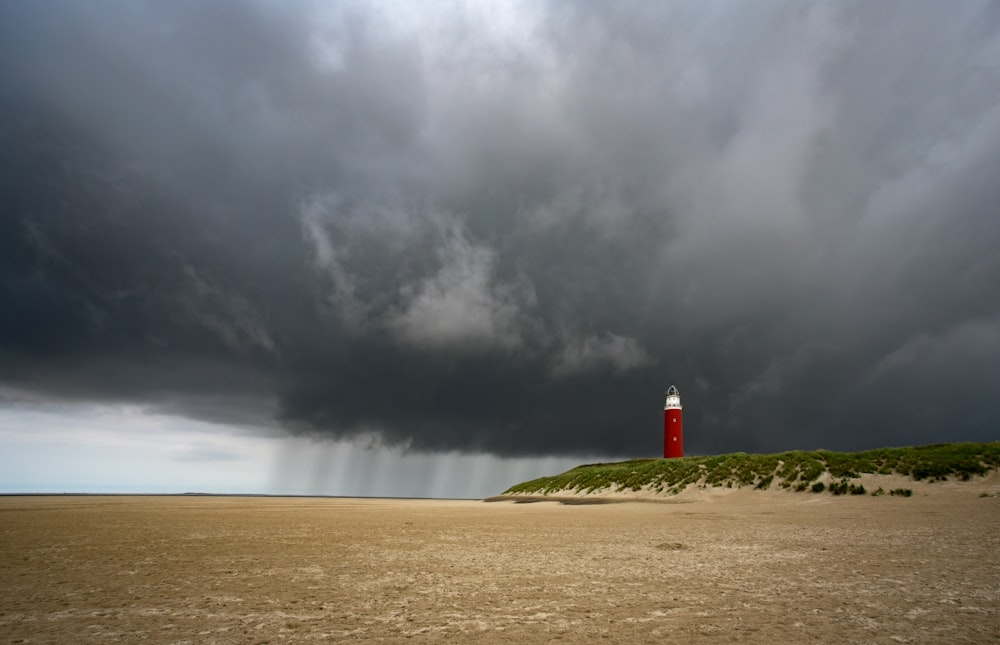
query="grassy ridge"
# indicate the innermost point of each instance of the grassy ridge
(796, 470)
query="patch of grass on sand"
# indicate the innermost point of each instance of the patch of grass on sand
(795, 470)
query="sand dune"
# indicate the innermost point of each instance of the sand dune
(709, 567)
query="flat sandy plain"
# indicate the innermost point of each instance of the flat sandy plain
(757, 567)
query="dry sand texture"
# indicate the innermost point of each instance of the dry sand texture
(738, 567)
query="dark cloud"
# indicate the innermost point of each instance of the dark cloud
(508, 228)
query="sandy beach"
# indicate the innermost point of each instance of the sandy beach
(730, 566)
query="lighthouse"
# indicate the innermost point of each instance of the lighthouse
(673, 424)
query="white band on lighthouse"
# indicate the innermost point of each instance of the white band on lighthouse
(673, 399)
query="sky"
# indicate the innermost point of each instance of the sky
(435, 248)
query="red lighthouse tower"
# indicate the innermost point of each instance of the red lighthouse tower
(673, 424)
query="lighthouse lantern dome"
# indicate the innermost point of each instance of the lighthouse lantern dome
(673, 398)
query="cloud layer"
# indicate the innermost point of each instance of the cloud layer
(508, 227)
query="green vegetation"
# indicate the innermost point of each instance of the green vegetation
(843, 487)
(796, 470)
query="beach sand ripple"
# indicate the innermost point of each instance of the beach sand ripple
(737, 566)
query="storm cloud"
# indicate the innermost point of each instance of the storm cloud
(508, 227)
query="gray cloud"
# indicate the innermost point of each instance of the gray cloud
(613, 353)
(509, 227)
(460, 305)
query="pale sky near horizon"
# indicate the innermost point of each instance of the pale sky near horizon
(122, 449)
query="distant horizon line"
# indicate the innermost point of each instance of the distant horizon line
(197, 494)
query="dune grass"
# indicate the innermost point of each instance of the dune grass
(796, 470)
